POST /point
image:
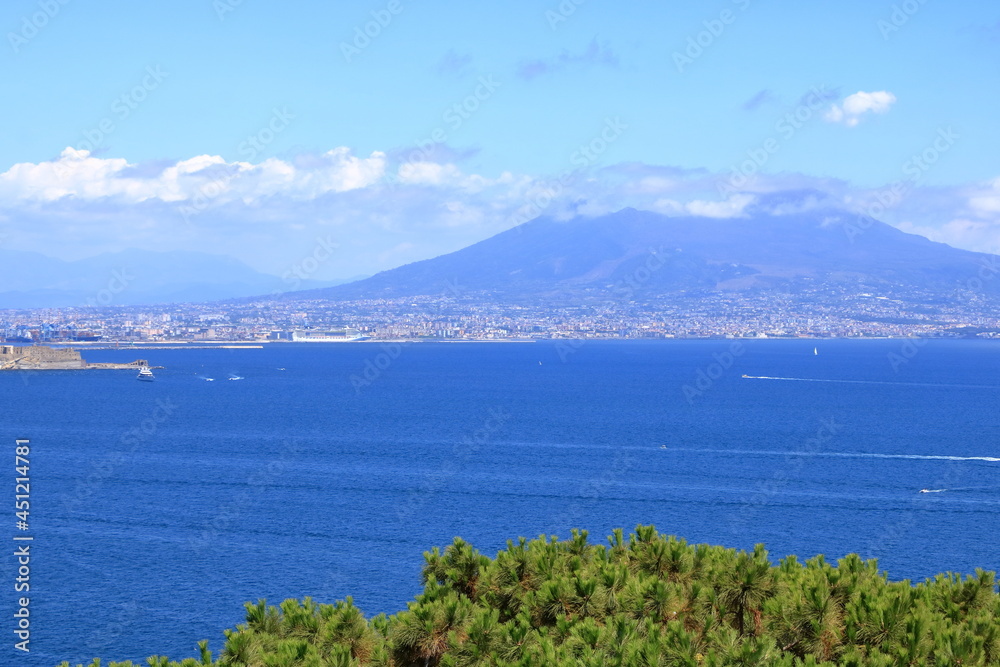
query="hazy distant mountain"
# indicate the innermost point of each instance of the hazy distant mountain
(546, 256)
(130, 277)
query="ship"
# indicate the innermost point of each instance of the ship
(338, 336)
(145, 374)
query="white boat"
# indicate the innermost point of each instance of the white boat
(815, 350)
(145, 374)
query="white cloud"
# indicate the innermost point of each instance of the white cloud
(654, 184)
(440, 175)
(850, 111)
(385, 213)
(77, 174)
(668, 206)
(729, 208)
(986, 201)
(734, 207)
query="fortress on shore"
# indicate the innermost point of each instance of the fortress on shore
(41, 358)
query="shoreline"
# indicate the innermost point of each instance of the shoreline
(212, 345)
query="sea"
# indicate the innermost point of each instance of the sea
(327, 470)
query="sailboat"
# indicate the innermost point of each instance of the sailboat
(815, 351)
(145, 374)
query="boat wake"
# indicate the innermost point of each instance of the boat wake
(843, 455)
(961, 488)
(898, 384)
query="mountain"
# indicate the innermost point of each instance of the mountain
(130, 277)
(547, 257)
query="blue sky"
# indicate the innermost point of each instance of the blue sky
(255, 129)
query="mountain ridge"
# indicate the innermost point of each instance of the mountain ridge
(131, 277)
(594, 254)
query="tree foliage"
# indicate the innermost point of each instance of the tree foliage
(647, 601)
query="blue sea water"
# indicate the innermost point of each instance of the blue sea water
(159, 508)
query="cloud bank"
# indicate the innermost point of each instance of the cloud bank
(384, 211)
(77, 174)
